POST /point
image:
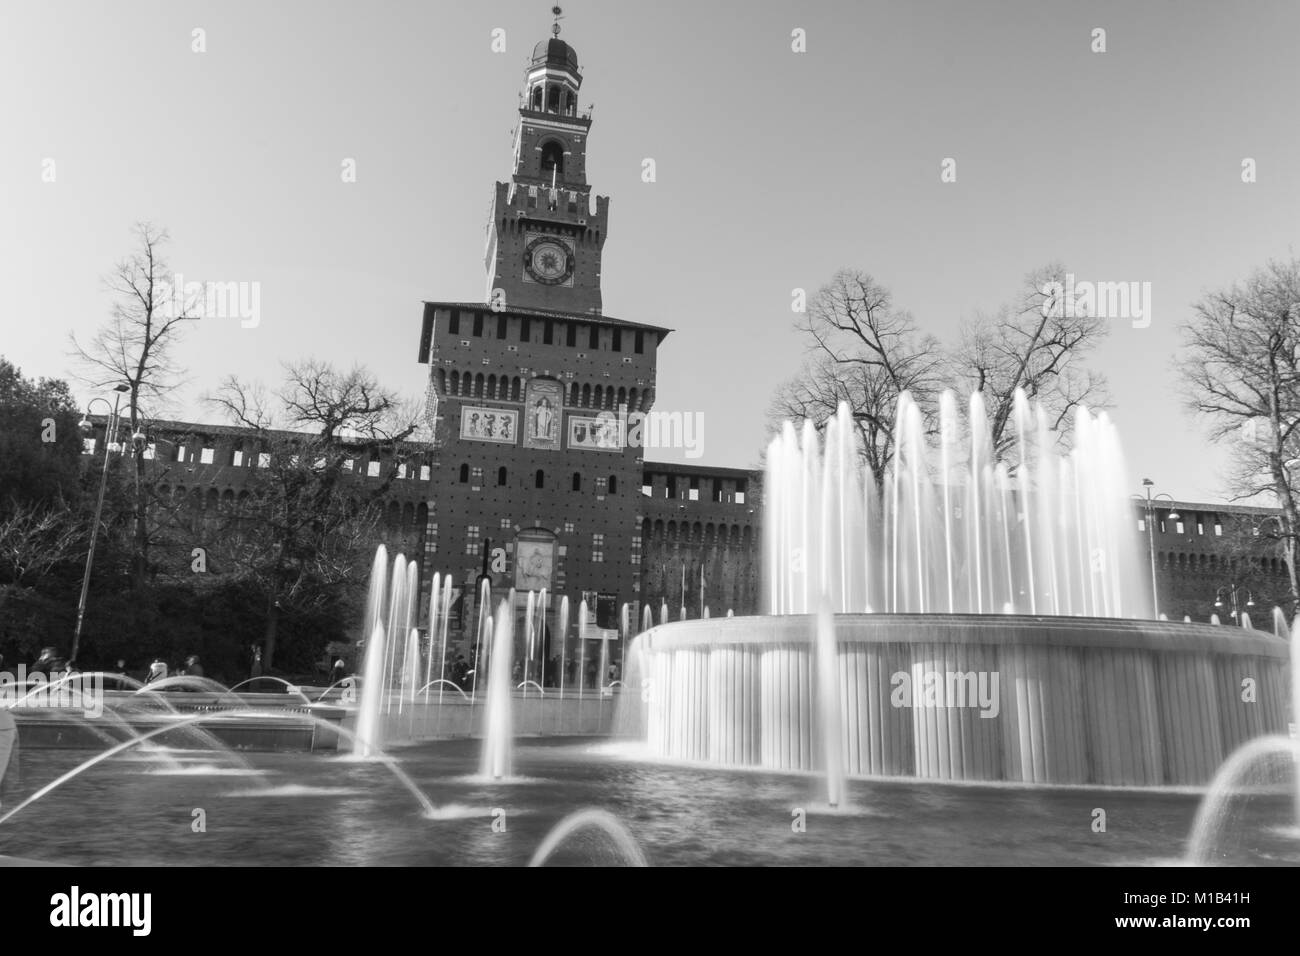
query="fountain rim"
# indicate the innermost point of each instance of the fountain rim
(1014, 630)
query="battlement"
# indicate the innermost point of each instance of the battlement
(537, 202)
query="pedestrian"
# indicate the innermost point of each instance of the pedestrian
(340, 671)
(157, 671)
(46, 663)
(192, 666)
(256, 670)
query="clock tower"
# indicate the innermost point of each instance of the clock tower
(544, 238)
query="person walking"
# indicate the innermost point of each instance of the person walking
(46, 663)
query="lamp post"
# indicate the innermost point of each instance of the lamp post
(1150, 502)
(110, 429)
(1233, 590)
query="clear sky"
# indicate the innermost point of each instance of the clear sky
(774, 168)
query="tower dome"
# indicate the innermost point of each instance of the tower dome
(555, 52)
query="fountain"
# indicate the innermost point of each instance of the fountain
(496, 759)
(1250, 762)
(8, 740)
(828, 695)
(991, 623)
(624, 844)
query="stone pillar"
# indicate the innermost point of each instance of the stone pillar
(785, 732)
(877, 736)
(1042, 716)
(1123, 721)
(953, 742)
(1189, 717)
(733, 702)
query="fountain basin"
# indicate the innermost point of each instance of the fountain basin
(129, 713)
(965, 697)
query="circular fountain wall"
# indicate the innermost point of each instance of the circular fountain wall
(1048, 700)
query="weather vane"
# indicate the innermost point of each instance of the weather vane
(556, 12)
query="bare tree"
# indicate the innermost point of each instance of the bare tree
(135, 348)
(1035, 343)
(299, 536)
(865, 352)
(34, 539)
(1240, 369)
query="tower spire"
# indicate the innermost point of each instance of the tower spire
(558, 14)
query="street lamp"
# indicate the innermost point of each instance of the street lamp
(1232, 590)
(1151, 535)
(110, 432)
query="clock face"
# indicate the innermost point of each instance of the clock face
(548, 261)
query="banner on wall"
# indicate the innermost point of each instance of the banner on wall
(600, 432)
(489, 424)
(543, 402)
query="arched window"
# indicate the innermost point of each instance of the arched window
(631, 401)
(586, 395)
(553, 99)
(464, 474)
(598, 399)
(501, 475)
(455, 383)
(478, 385)
(573, 394)
(613, 484)
(552, 161)
(577, 481)
(514, 390)
(539, 479)
(537, 97)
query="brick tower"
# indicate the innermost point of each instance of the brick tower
(533, 386)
